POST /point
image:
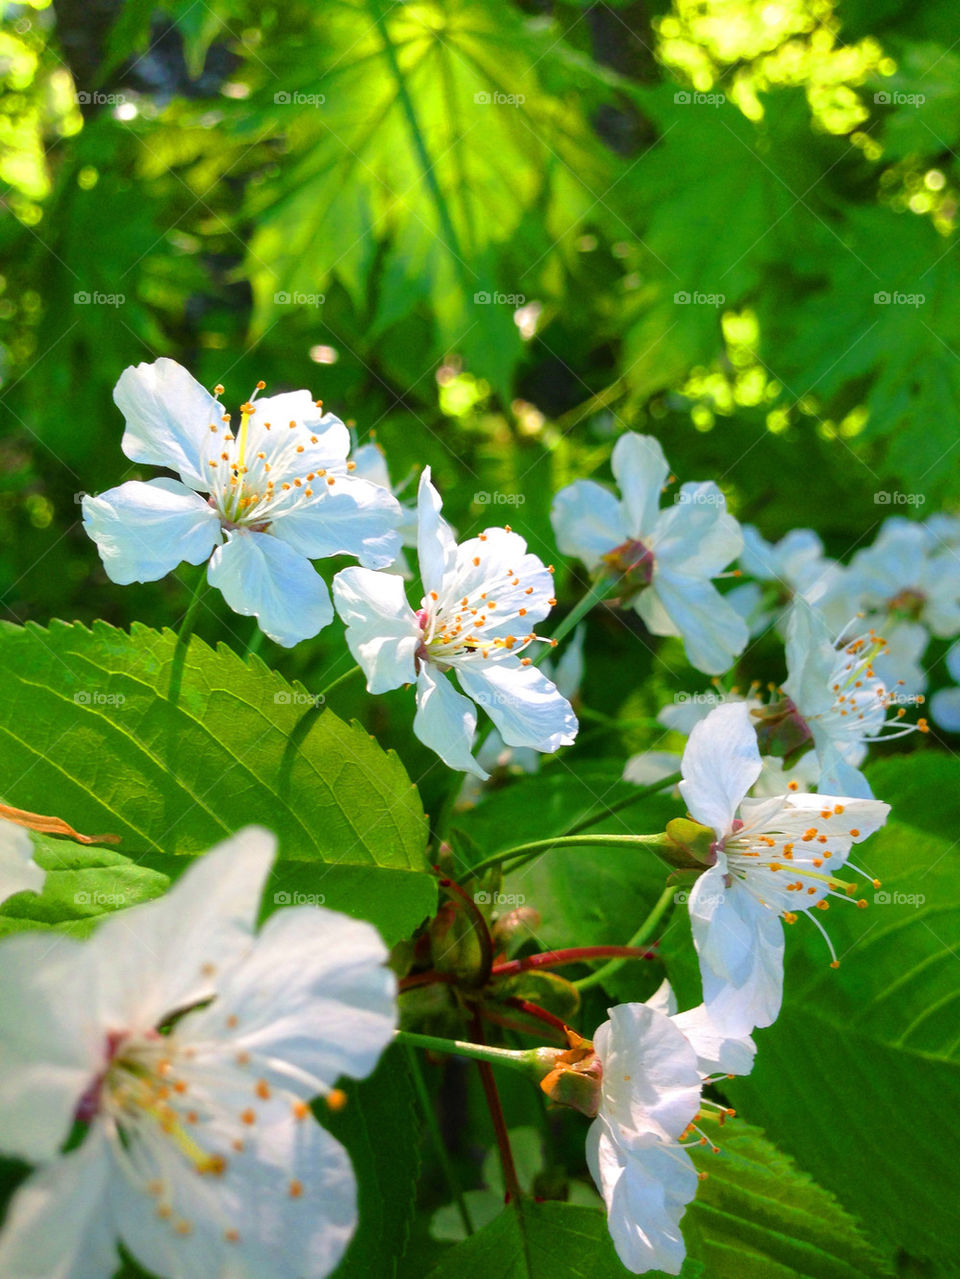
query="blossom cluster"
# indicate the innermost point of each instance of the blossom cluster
(191, 1049)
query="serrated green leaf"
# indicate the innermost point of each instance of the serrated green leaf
(856, 1075)
(758, 1216)
(88, 717)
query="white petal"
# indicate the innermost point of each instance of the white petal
(650, 766)
(517, 586)
(526, 707)
(717, 1053)
(57, 1226)
(641, 471)
(18, 871)
(953, 661)
(587, 521)
(279, 1234)
(945, 709)
(712, 630)
(313, 992)
(51, 1046)
(371, 464)
(695, 536)
(349, 517)
(168, 417)
(720, 764)
(163, 956)
(651, 1086)
(837, 773)
(740, 947)
(646, 1190)
(383, 633)
(262, 577)
(446, 721)
(436, 545)
(663, 1000)
(143, 531)
(811, 657)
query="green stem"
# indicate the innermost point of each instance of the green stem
(523, 852)
(193, 608)
(640, 938)
(341, 679)
(609, 809)
(528, 1061)
(600, 589)
(436, 1136)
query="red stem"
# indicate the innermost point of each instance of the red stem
(534, 1010)
(510, 1182)
(476, 918)
(424, 979)
(572, 955)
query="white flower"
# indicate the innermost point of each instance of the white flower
(279, 494)
(18, 871)
(840, 697)
(902, 577)
(667, 557)
(190, 1047)
(654, 1062)
(481, 600)
(793, 566)
(774, 857)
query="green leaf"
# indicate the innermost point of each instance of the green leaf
(541, 1241)
(862, 1065)
(380, 1129)
(88, 718)
(758, 1216)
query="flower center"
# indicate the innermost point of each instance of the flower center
(908, 603)
(634, 562)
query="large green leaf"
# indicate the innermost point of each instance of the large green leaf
(758, 1216)
(91, 729)
(862, 1065)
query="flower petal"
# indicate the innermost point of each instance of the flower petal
(262, 577)
(57, 1226)
(811, 657)
(143, 531)
(161, 957)
(436, 545)
(527, 708)
(588, 522)
(695, 536)
(641, 471)
(720, 763)
(18, 871)
(446, 721)
(383, 633)
(313, 993)
(717, 1053)
(349, 517)
(168, 417)
(712, 630)
(646, 1191)
(651, 1086)
(945, 708)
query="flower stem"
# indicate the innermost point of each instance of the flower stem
(341, 679)
(640, 937)
(436, 1136)
(600, 589)
(517, 1059)
(609, 809)
(572, 955)
(524, 852)
(193, 608)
